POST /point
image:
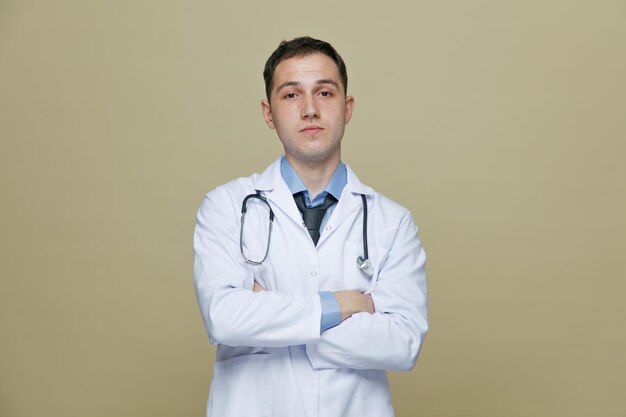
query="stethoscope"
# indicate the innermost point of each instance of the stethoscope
(362, 262)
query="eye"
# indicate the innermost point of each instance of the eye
(290, 95)
(326, 93)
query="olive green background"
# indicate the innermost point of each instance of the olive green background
(500, 124)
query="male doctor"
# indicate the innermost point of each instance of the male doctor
(320, 288)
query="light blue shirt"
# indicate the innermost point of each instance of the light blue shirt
(331, 313)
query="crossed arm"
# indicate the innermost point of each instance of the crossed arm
(350, 301)
(385, 330)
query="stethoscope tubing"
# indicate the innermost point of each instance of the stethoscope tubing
(362, 262)
(244, 208)
(365, 254)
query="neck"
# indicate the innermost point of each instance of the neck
(315, 176)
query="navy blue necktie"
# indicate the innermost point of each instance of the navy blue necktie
(313, 216)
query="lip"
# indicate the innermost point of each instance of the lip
(311, 129)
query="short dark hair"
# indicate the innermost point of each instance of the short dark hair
(298, 47)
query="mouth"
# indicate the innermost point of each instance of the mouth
(311, 129)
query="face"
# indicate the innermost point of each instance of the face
(309, 109)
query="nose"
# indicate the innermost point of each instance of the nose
(310, 110)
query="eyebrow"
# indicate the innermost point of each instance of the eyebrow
(318, 82)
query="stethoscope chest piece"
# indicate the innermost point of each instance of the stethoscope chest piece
(365, 265)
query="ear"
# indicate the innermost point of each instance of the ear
(349, 108)
(267, 113)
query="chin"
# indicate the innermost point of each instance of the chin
(317, 160)
(312, 152)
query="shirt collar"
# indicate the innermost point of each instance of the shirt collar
(295, 184)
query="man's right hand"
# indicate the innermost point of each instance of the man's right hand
(352, 302)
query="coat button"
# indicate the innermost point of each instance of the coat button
(313, 273)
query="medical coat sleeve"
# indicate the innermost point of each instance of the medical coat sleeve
(391, 338)
(233, 314)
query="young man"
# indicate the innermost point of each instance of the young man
(320, 288)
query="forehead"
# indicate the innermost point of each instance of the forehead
(305, 68)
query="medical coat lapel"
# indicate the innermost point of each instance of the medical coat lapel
(349, 202)
(272, 185)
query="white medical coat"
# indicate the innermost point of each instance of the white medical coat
(271, 358)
